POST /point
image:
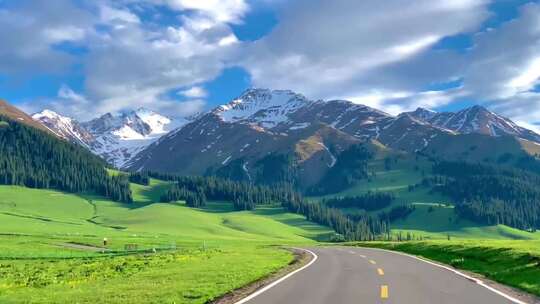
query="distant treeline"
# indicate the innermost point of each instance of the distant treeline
(490, 194)
(396, 213)
(350, 167)
(244, 195)
(35, 159)
(369, 201)
(361, 228)
(196, 190)
(141, 178)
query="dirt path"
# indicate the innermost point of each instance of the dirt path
(83, 247)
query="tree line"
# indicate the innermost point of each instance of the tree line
(141, 178)
(361, 227)
(35, 159)
(490, 194)
(246, 197)
(369, 201)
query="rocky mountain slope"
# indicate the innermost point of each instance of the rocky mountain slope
(116, 138)
(14, 113)
(475, 120)
(287, 130)
(245, 133)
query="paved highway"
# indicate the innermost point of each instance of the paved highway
(359, 275)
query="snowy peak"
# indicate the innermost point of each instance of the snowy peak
(116, 138)
(64, 127)
(138, 124)
(103, 124)
(476, 119)
(157, 122)
(423, 114)
(264, 107)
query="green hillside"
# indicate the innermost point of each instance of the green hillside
(433, 216)
(51, 247)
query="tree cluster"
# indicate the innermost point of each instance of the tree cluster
(243, 195)
(491, 194)
(246, 197)
(370, 201)
(35, 159)
(362, 227)
(396, 213)
(141, 178)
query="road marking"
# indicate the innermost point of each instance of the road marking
(380, 271)
(351, 252)
(384, 292)
(475, 280)
(362, 256)
(260, 291)
(372, 262)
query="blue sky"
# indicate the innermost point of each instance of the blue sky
(84, 58)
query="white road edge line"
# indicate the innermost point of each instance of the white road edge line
(269, 286)
(468, 277)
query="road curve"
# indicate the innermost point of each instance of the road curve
(361, 275)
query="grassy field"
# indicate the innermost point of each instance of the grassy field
(434, 216)
(51, 247)
(514, 263)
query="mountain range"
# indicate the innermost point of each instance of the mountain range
(116, 138)
(241, 137)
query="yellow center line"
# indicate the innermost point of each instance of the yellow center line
(380, 271)
(384, 292)
(372, 262)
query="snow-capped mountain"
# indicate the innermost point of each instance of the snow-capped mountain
(238, 135)
(263, 107)
(475, 120)
(116, 138)
(65, 127)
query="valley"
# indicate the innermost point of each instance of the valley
(191, 255)
(269, 152)
(274, 171)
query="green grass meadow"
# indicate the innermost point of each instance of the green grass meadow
(50, 247)
(51, 243)
(434, 216)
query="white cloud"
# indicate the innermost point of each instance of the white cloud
(219, 10)
(129, 61)
(194, 92)
(375, 52)
(505, 61)
(399, 102)
(110, 14)
(533, 127)
(350, 48)
(134, 66)
(67, 93)
(29, 31)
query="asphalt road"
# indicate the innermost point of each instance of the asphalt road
(358, 275)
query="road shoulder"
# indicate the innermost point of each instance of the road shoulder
(301, 259)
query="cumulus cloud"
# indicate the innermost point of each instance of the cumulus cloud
(128, 61)
(132, 65)
(219, 10)
(194, 92)
(380, 53)
(30, 31)
(347, 48)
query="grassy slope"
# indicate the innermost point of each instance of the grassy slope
(217, 249)
(514, 263)
(433, 217)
